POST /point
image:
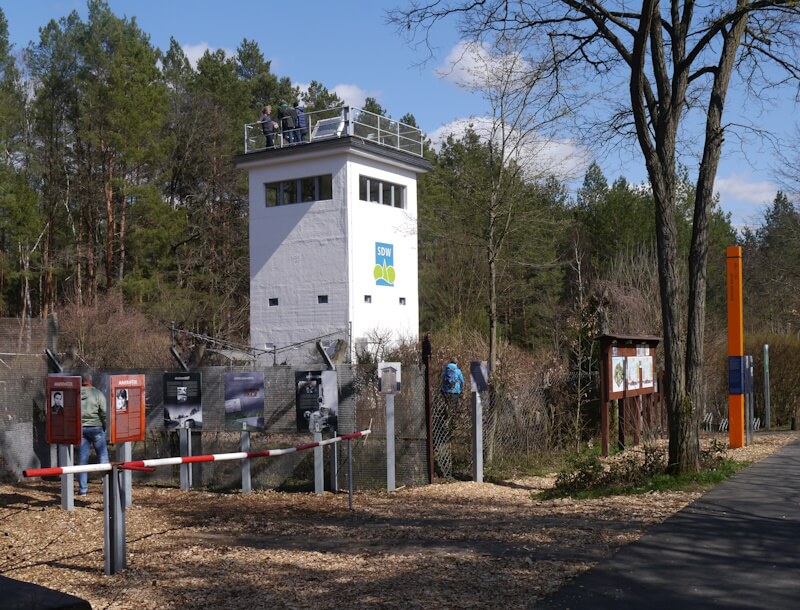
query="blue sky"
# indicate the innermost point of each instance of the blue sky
(348, 46)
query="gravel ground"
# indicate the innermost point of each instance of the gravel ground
(456, 545)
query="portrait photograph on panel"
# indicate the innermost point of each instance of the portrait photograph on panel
(121, 399)
(56, 401)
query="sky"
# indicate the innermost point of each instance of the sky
(348, 46)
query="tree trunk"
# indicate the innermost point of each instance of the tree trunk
(698, 256)
(108, 192)
(122, 217)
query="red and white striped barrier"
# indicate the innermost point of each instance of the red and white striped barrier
(171, 461)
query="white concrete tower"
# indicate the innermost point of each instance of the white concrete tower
(333, 233)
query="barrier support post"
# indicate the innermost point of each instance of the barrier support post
(390, 474)
(245, 447)
(114, 523)
(349, 474)
(477, 438)
(185, 440)
(319, 466)
(65, 454)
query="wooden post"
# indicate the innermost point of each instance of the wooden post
(604, 377)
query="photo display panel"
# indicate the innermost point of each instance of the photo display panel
(183, 405)
(630, 371)
(126, 408)
(63, 419)
(308, 385)
(244, 401)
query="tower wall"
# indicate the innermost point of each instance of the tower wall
(330, 248)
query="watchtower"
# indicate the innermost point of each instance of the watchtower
(333, 232)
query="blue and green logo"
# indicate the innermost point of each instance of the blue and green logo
(384, 264)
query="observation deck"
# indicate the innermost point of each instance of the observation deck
(335, 123)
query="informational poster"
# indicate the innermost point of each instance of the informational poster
(183, 406)
(389, 377)
(647, 372)
(330, 393)
(127, 412)
(63, 410)
(632, 374)
(244, 401)
(309, 396)
(618, 374)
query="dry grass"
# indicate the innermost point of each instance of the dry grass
(454, 545)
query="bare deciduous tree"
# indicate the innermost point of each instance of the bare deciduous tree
(675, 56)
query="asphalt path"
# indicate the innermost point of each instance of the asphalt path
(736, 547)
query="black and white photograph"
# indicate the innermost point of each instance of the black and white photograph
(183, 406)
(57, 401)
(121, 400)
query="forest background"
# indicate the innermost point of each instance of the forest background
(122, 211)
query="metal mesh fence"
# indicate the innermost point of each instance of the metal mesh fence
(519, 424)
(22, 369)
(548, 412)
(23, 373)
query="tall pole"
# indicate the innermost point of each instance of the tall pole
(735, 348)
(390, 471)
(767, 406)
(427, 350)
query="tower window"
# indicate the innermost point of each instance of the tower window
(273, 302)
(381, 191)
(402, 300)
(322, 299)
(299, 190)
(368, 298)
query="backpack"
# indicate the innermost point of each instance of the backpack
(450, 383)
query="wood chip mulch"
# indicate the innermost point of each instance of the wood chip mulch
(456, 545)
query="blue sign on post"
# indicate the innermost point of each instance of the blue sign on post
(735, 374)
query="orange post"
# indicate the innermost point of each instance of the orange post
(735, 348)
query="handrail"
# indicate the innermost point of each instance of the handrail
(353, 121)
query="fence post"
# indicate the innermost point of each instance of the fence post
(245, 447)
(477, 438)
(390, 474)
(185, 439)
(125, 454)
(334, 465)
(319, 466)
(65, 454)
(349, 474)
(427, 351)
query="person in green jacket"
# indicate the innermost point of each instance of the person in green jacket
(93, 420)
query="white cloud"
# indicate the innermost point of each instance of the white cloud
(480, 66)
(539, 155)
(353, 95)
(463, 63)
(740, 188)
(196, 51)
